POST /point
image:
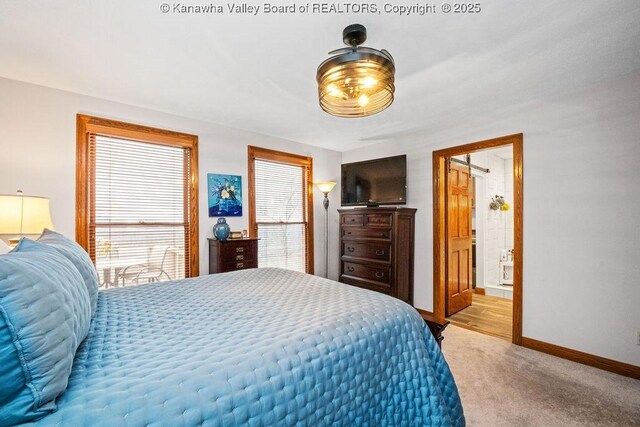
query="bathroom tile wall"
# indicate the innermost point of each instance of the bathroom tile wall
(495, 230)
(508, 197)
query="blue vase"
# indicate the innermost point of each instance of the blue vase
(221, 230)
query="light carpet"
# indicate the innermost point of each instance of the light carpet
(502, 384)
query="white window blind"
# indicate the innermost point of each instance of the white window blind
(139, 216)
(280, 212)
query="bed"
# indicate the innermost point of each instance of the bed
(256, 347)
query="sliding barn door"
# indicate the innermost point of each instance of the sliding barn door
(458, 241)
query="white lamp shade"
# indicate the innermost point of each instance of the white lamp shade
(325, 186)
(24, 214)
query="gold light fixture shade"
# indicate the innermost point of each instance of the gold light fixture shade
(325, 186)
(358, 81)
(20, 215)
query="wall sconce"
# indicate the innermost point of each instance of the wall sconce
(498, 203)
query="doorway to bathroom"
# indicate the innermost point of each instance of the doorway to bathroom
(478, 236)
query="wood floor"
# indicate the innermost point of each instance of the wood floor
(488, 315)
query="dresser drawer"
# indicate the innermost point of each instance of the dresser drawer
(374, 251)
(351, 219)
(374, 273)
(366, 233)
(242, 257)
(367, 284)
(238, 255)
(239, 265)
(378, 219)
(237, 251)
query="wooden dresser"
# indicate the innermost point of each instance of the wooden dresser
(376, 250)
(231, 255)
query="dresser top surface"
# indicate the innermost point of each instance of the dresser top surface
(376, 210)
(249, 239)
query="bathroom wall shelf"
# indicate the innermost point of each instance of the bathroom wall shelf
(506, 273)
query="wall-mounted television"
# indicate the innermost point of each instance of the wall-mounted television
(375, 182)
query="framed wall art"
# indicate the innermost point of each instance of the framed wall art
(225, 194)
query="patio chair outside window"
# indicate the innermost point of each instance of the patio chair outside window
(152, 271)
(137, 188)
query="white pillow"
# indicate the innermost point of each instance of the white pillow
(4, 248)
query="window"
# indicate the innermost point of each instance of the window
(281, 208)
(137, 205)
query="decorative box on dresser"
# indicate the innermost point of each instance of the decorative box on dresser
(232, 255)
(376, 249)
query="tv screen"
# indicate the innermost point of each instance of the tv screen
(375, 182)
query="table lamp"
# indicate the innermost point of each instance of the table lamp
(20, 215)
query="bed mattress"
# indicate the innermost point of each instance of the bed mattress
(257, 347)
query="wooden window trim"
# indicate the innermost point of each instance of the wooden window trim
(287, 158)
(86, 125)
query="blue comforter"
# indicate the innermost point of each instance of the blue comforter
(257, 347)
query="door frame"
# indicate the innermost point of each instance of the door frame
(439, 232)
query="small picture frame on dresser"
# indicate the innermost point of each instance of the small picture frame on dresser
(234, 235)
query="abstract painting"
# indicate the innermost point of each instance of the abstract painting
(225, 194)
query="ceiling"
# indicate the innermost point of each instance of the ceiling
(258, 72)
(503, 152)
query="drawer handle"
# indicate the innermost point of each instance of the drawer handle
(382, 235)
(239, 257)
(379, 274)
(353, 220)
(349, 268)
(350, 249)
(240, 265)
(240, 249)
(348, 232)
(379, 252)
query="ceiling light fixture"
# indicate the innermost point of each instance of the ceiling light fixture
(358, 81)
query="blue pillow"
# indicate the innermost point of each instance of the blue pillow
(44, 316)
(79, 257)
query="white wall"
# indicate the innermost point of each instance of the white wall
(581, 212)
(38, 141)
